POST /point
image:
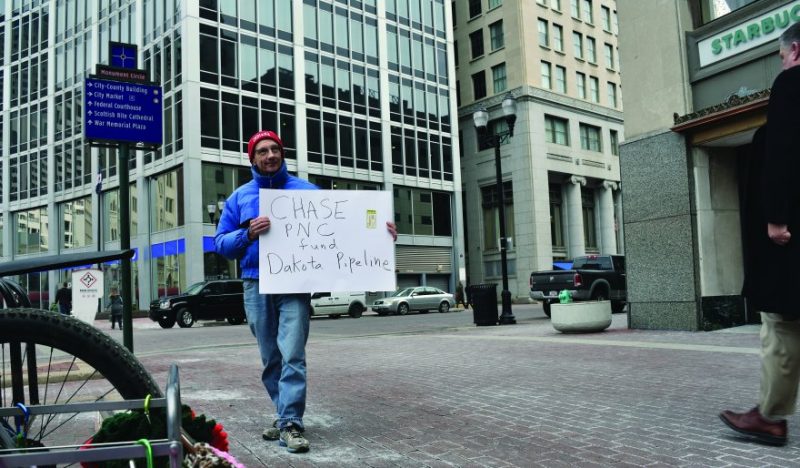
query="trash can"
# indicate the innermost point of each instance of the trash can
(483, 298)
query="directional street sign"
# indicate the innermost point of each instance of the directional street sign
(122, 112)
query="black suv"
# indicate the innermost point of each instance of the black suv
(209, 300)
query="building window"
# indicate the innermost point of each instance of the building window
(111, 217)
(491, 214)
(577, 44)
(713, 9)
(76, 227)
(496, 35)
(574, 11)
(609, 53)
(556, 220)
(558, 38)
(606, 17)
(561, 79)
(612, 94)
(590, 138)
(580, 82)
(614, 143)
(499, 78)
(494, 127)
(474, 8)
(594, 88)
(591, 50)
(495, 3)
(32, 231)
(479, 85)
(545, 75)
(476, 41)
(544, 38)
(166, 193)
(421, 212)
(555, 4)
(586, 10)
(556, 130)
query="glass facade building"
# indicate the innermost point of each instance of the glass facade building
(360, 91)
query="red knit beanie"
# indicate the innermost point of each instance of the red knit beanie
(262, 135)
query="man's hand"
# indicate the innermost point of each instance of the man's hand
(779, 233)
(392, 228)
(257, 227)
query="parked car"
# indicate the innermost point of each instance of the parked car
(421, 298)
(208, 300)
(592, 277)
(337, 304)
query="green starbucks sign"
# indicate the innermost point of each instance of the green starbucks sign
(748, 35)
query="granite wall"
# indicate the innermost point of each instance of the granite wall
(659, 247)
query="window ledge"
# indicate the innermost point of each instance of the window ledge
(545, 47)
(473, 60)
(497, 50)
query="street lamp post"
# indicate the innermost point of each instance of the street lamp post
(212, 211)
(481, 120)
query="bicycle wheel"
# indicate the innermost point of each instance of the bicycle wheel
(48, 359)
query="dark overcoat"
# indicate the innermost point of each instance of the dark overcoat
(772, 272)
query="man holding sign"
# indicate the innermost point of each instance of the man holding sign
(280, 322)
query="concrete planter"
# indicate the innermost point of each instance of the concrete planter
(581, 317)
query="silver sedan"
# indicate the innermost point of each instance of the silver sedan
(421, 298)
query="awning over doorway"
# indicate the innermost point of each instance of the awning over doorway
(731, 123)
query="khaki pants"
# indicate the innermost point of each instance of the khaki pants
(780, 365)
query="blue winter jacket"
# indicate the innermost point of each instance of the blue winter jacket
(242, 206)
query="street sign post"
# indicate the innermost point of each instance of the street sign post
(122, 108)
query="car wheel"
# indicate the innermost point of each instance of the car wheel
(184, 317)
(546, 308)
(355, 310)
(235, 320)
(166, 322)
(444, 307)
(402, 309)
(617, 306)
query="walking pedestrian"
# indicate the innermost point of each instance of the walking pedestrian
(64, 299)
(115, 308)
(460, 295)
(280, 322)
(771, 276)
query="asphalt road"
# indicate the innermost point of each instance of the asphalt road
(149, 339)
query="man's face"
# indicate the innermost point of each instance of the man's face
(267, 156)
(790, 56)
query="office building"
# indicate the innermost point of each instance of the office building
(560, 169)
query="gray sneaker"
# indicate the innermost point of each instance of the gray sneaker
(272, 432)
(293, 440)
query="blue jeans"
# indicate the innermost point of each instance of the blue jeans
(65, 309)
(280, 323)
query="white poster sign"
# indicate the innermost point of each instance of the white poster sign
(326, 240)
(87, 288)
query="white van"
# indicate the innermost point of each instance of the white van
(339, 303)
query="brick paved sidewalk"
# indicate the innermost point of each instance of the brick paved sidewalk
(519, 395)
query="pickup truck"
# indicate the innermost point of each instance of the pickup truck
(592, 277)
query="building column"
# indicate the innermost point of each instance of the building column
(608, 239)
(619, 226)
(576, 245)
